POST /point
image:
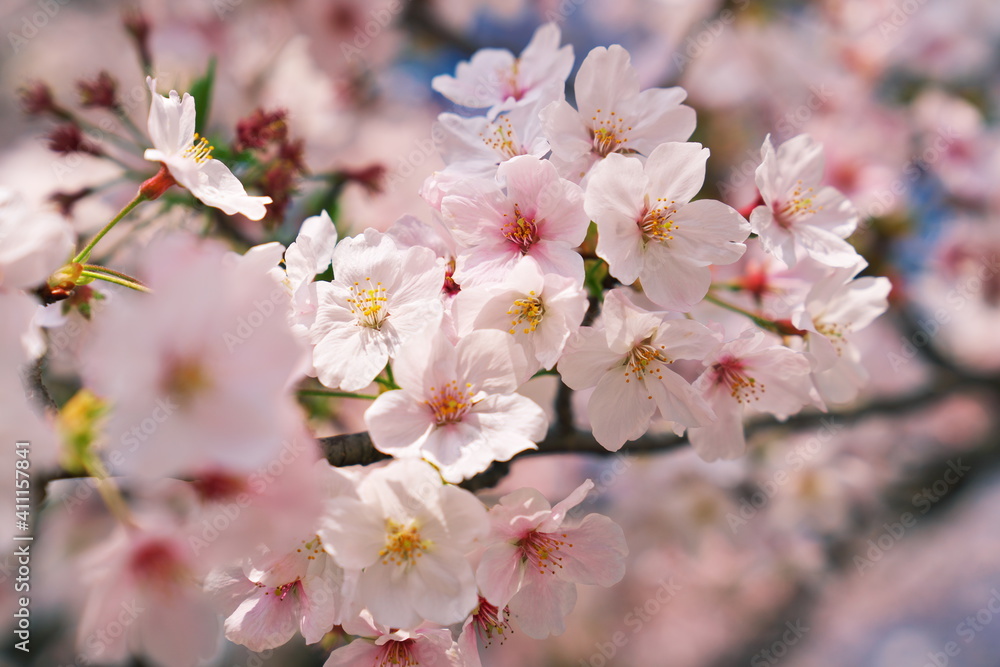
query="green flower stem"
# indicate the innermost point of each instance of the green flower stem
(757, 319)
(116, 280)
(388, 375)
(335, 394)
(118, 274)
(85, 253)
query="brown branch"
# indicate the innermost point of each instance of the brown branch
(34, 386)
(358, 449)
(350, 449)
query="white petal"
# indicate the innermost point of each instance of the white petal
(619, 411)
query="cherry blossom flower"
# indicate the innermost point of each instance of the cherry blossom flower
(836, 308)
(409, 532)
(311, 252)
(540, 311)
(379, 646)
(33, 244)
(301, 591)
(475, 145)
(146, 582)
(380, 297)
(277, 503)
(614, 116)
(456, 406)
(410, 231)
(189, 159)
(627, 361)
(528, 211)
(752, 373)
(305, 258)
(649, 229)
(798, 216)
(204, 359)
(536, 559)
(495, 78)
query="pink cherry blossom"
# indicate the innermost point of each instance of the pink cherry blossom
(612, 115)
(457, 407)
(146, 582)
(300, 591)
(275, 505)
(380, 646)
(649, 229)
(528, 211)
(627, 361)
(536, 558)
(206, 359)
(753, 373)
(495, 78)
(409, 533)
(798, 216)
(380, 297)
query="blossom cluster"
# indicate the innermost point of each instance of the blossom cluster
(560, 239)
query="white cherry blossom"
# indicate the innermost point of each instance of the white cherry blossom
(380, 297)
(540, 311)
(409, 532)
(837, 307)
(188, 157)
(628, 360)
(650, 230)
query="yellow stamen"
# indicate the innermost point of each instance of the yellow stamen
(200, 150)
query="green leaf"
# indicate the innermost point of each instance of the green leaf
(201, 91)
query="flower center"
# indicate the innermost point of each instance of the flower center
(402, 543)
(609, 133)
(185, 379)
(656, 224)
(643, 359)
(731, 372)
(449, 404)
(509, 82)
(522, 231)
(282, 591)
(502, 139)
(799, 205)
(543, 551)
(489, 620)
(528, 310)
(200, 150)
(157, 564)
(836, 333)
(367, 303)
(397, 654)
